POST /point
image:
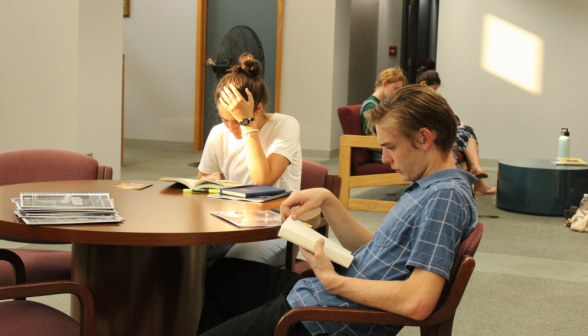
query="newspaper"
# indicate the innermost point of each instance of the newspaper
(65, 208)
(66, 201)
(73, 220)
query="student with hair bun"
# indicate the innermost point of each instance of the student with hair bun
(466, 141)
(388, 81)
(251, 147)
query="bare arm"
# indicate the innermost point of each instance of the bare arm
(264, 170)
(348, 231)
(415, 297)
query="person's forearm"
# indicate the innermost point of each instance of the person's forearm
(257, 163)
(348, 231)
(406, 298)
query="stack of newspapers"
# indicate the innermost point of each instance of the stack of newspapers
(65, 208)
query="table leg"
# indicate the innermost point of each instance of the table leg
(142, 290)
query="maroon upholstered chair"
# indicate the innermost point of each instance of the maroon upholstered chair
(314, 175)
(355, 166)
(439, 323)
(20, 317)
(41, 165)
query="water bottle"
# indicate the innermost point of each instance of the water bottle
(583, 202)
(564, 144)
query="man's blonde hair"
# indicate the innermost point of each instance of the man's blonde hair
(412, 108)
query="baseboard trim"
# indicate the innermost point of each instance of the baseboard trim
(320, 154)
(160, 144)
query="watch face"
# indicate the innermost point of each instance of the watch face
(246, 121)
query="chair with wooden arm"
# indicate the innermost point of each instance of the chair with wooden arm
(42, 165)
(439, 323)
(355, 166)
(314, 175)
(23, 318)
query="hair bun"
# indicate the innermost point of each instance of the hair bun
(249, 64)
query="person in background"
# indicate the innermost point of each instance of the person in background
(428, 64)
(388, 82)
(251, 147)
(466, 141)
(402, 268)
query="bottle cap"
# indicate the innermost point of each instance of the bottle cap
(564, 131)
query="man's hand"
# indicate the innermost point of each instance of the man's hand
(232, 100)
(308, 200)
(321, 265)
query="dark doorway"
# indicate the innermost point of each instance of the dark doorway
(419, 34)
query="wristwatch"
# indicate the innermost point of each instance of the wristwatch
(246, 121)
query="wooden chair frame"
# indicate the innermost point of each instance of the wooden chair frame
(441, 317)
(346, 143)
(22, 290)
(104, 173)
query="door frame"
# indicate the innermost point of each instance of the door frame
(201, 69)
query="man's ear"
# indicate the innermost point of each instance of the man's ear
(423, 83)
(426, 138)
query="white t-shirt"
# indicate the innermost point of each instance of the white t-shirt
(280, 135)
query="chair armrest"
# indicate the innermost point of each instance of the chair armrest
(56, 287)
(359, 141)
(369, 316)
(16, 263)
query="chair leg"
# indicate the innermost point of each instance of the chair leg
(446, 327)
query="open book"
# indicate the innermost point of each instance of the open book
(202, 184)
(298, 233)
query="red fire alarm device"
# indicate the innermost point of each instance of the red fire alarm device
(392, 51)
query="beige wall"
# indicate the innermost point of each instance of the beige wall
(39, 70)
(363, 49)
(509, 121)
(315, 68)
(389, 34)
(160, 70)
(61, 77)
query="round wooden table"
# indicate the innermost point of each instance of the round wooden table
(147, 273)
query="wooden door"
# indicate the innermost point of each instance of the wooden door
(215, 19)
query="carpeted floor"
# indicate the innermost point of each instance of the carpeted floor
(531, 272)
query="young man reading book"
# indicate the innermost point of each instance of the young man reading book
(402, 268)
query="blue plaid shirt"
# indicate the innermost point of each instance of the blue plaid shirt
(424, 229)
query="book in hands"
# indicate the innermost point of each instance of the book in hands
(252, 190)
(202, 184)
(249, 219)
(572, 161)
(296, 232)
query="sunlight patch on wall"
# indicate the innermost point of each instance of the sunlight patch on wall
(512, 54)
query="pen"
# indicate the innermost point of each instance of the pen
(210, 191)
(278, 212)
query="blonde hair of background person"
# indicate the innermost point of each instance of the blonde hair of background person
(266, 151)
(388, 82)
